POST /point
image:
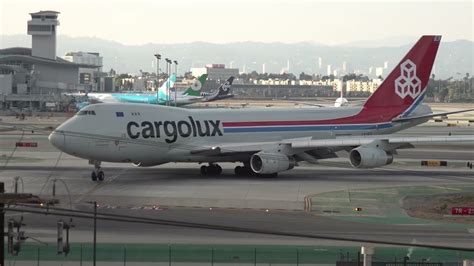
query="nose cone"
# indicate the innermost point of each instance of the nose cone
(57, 140)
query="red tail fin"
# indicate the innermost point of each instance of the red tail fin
(407, 82)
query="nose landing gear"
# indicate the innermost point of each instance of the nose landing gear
(97, 174)
(212, 169)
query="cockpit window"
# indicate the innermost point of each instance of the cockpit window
(86, 112)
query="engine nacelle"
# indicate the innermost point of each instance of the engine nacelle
(270, 163)
(369, 157)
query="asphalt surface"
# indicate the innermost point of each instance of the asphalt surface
(180, 193)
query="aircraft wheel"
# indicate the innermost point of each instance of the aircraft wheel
(217, 169)
(93, 176)
(100, 176)
(239, 170)
(204, 170)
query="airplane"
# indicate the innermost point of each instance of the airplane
(222, 92)
(163, 96)
(193, 94)
(189, 96)
(267, 140)
(128, 97)
(341, 101)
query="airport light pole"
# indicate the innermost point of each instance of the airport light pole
(168, 61)
(158, 57)
(175, 89)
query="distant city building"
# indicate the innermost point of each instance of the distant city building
(379, 71)
(329, 70)
(216, 71)
(335, 84)
(363, 86)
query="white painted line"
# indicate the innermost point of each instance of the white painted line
(447, 188)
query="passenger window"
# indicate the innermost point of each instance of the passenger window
(82, 113)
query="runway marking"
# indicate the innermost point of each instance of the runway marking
(419, 224)
(425, 174)
(374, 192)
(446, 188)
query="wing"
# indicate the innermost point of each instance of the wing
(312, 150)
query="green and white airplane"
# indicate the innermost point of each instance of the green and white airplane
(191, 95)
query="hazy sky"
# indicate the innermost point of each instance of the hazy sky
(221, 21)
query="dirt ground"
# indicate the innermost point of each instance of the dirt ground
(438, 206)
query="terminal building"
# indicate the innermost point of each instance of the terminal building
(35, 77)
(92, 79)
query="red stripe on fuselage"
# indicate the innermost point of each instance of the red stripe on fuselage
(372, 115)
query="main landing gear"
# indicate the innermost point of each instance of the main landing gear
(212, 169)
(97, 174)
(244, 171)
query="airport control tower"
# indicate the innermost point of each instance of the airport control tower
(43, 27)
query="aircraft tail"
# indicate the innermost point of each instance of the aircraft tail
(163, 92)
(405, 87)
(224, 88)
(195, 88)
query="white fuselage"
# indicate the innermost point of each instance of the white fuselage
(151, 134)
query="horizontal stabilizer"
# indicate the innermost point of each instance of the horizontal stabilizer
(403, 119)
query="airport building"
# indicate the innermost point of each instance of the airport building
(215, 72)
(35, 77)
(92, 79)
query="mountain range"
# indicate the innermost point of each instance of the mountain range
(454, 58)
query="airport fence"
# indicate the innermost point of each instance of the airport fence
(180, 254)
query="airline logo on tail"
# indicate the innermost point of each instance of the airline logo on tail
(196, 86)
(226, 85)
(408, 84)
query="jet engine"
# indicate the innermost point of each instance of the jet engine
(370, 157)
(270, 163)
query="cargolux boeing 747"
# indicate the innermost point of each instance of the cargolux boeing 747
(267, 140)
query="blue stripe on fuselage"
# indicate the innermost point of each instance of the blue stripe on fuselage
(414, 105)
(305, 128)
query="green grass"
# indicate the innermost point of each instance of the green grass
(381, 205)
(14, 159)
